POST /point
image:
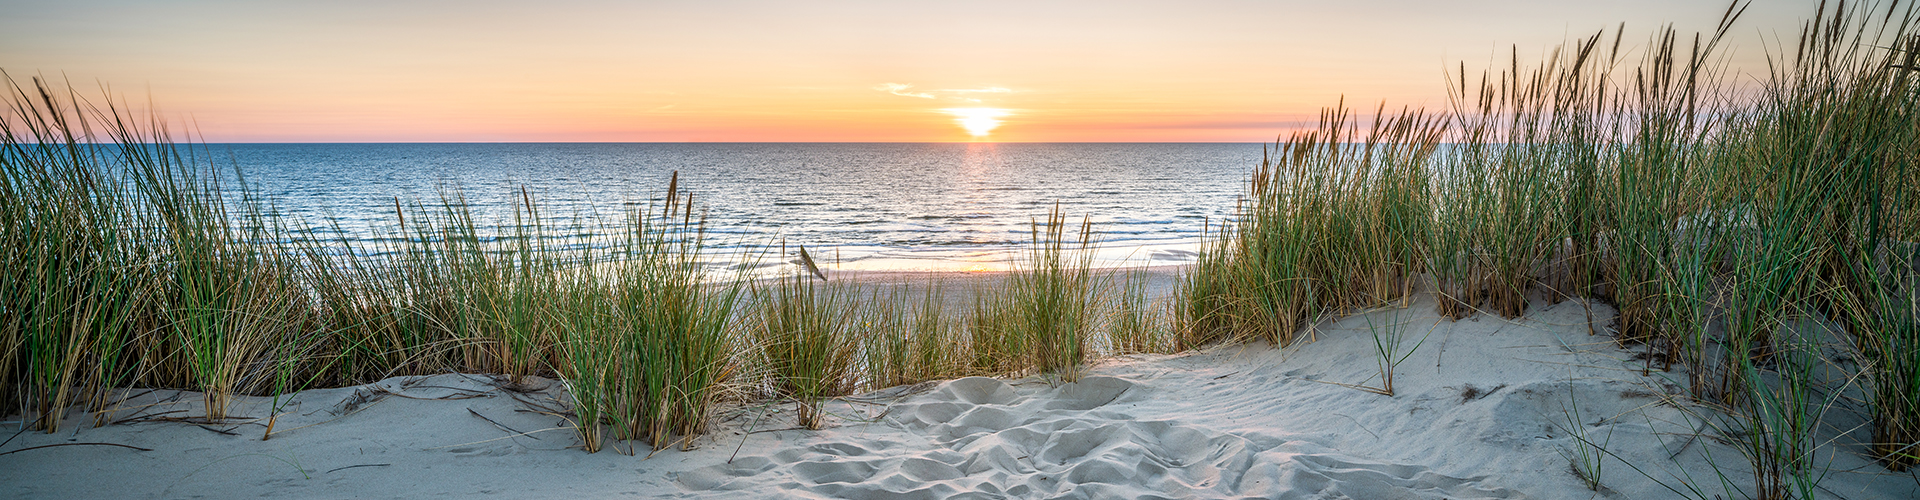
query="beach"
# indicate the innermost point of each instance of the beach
(1482, 408)
(1627, 266)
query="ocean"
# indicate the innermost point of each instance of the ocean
(868, 206)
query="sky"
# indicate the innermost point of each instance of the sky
(771, 71)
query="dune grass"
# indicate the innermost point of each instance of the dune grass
(123, 247)
(73, 284)
(1043, 314)
(1137, 323)
(890, 339)
(1053, 296)
(910, 338)
(647, 336)
(134, 260)
(807, 331)
(1389, 337)
(1717, 218)
(935, 345)
(1328, 227)
(1887, 329)
(1588, 457)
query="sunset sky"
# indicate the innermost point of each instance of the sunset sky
(427, 71)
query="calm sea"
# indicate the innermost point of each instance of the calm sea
(931, 206)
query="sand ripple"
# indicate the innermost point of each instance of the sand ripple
(991, 440)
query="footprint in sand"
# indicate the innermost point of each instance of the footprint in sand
(725, 476)
(993, 441)
(1285, 475)
(977, 390)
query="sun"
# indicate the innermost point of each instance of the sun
(977, 121)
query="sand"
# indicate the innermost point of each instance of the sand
(1483, 409)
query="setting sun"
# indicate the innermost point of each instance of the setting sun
(977, 121)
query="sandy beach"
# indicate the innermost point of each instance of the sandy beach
(1483, 408)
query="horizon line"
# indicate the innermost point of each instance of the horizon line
(732, 142)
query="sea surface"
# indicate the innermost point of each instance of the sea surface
(870, 206)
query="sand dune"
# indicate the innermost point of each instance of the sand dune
(1484, 408)
(1098, 438)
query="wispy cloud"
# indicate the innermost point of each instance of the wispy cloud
(906, 89)
(902, 89)
(985, 90)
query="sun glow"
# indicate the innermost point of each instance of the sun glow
(977, 121)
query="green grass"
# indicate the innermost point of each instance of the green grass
(1894, 345)
(1052, 296)
(1137, 323)
(124, 247)
(996, 343)
(1328, 226)
(808, 333)
(1707, 212)
(72, 285)
(909, 336)
(1587, 458)
(934, 342)
(1042, 315)
(887, 329)
(128, 263)
(1389, 336)
(662, 350)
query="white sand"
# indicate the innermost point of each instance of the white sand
(1480, 413)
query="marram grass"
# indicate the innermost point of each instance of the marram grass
(1716, 218)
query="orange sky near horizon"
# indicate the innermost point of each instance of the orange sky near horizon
(752, 71)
